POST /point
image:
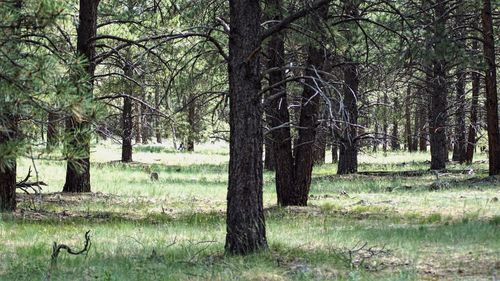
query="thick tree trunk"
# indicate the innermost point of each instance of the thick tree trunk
(471, 139)
(78, 165)
(395, 125)
(491, 90)
(438, 89)
(127, 120)
(8, 135)
(348, 152)
(246, 231)
(307, 133)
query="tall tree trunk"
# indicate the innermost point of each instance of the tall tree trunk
(471, 139)
(157, 119)
(491, 90)
(8, 136)
(192, 125)
(348, 152)
(127, 119)
(246, 232)
(137, 123)
(385, 125)
(395, 124)
(460, 145)
(293, 168)
(309, 113)
(145, 126)
(438, 89)
(422, 113)
(409, 144)
(78, 164)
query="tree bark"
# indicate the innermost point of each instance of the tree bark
(269, 161)
(246, 231)
(395, 125)
(192, 125)
(438, 89)
(348, 152)
(385, 125)
(52, 129)
(127, 119)
(145, 126)
(78, 164)
(157, 119)
(409, 139)
(422, 113)
(8, 165)
(471, 138)
(460, 145)
(137, 124)
(491, 90)
(319, 149)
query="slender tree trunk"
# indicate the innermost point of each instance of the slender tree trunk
(157, 119)
(192, 125)
(422, 113)
(137, 123)
(395, 124)
(385, 125)
(408, 134)
(78, 164)
(460, 145)
(127, 120)
(471, 139)
(491, 90)
(246, 232)
(438, 88)
(145, 135)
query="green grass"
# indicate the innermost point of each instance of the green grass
(174, 229)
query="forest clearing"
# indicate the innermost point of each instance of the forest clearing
(174, 228)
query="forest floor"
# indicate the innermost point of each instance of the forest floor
(388, 223)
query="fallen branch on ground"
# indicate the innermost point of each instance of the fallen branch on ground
(56, 248)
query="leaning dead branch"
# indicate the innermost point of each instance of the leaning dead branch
(56, 249)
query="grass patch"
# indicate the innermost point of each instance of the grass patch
(174, 229)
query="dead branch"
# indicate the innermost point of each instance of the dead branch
(56, 248)
(25, 185)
